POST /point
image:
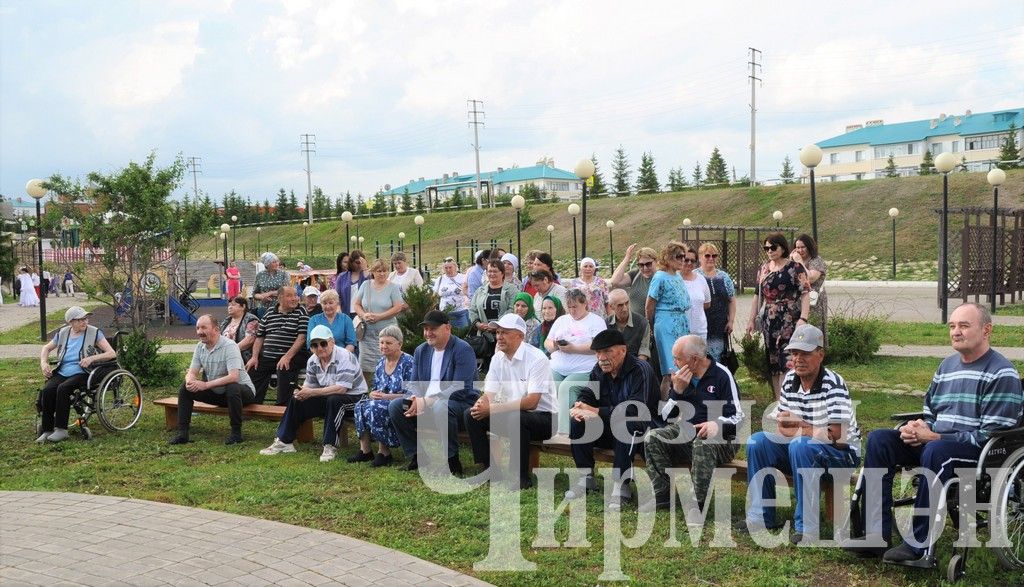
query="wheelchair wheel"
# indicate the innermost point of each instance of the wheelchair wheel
(1009, 515)
(957, 568)
(904, 492)
(120, 400)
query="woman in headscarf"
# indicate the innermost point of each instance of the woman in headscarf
(511, 264)
(591, 284)
(523, 307)
(550, 310)
(267, 282)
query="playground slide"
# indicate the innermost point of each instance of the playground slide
(180, 311)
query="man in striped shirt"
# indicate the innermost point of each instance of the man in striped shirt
(280, 346)
(973, 393)
(817, 430)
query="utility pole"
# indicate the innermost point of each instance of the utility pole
(754, 64)
(475, 111)
(309, 146)
(193, 163)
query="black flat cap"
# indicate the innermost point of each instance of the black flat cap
(435, 318)
(607, 339)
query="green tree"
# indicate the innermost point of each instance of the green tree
(321, 204)
(393, 205)
(407, 205)
(620, 172)
(380, 203)
(647, 177)
(281, 205)
(349, 204)
(420, 204)
(962, 168)
(265, 213)
(927, 163)
(890, 168)
(698, 175)
(787, 171)
(339, 206)
(456, 200)
(598, 190)
(7, 257)
(716, 171)
(1009, 154)
(531, 193)
(360, 205)
(293, 207)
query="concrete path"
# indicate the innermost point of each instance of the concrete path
(73, 539)
(12, 315)
(941, 352)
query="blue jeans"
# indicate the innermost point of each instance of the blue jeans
(406, 427)
(459, 318)
(789, 455)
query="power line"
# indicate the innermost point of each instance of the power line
(476, 123)
(309, 146)
(194, 163)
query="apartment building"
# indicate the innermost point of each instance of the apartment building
(552, 180)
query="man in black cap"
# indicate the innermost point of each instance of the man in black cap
(444, 367)
(618, 377)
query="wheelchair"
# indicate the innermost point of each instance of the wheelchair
(1004, 449)
(111, 393)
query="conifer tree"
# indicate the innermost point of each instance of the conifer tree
(1009, 153)
(927, 163)
(647, 177)
(787, 171)
(620, 172)
(698, 177)
(716, 171)
(890, 168)
(597, 190)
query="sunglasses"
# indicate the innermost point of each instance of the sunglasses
(318, 344)
(647, 264)
(770, 248)
(689, 260)
(710, 256)
(680, 256)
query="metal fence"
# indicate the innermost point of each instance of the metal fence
(740, 247)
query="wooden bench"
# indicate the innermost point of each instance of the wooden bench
(249, 412)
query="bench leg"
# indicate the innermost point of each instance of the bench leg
(305, 432)
(829, 487)
(534, 457)
(170, 417)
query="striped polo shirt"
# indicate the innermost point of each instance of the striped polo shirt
(342, 369)
(966, 402)
(827, 402)
(279, 331)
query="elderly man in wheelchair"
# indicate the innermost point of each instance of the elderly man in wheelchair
(86, 377)
(970, 433)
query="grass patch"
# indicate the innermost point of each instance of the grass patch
(926, 333)
(393, 508)
(1011, 310)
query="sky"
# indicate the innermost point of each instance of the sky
(383, 85)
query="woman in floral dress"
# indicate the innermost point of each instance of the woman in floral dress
(591, 284)
(782, 302)
(372, 420)
(668, 306)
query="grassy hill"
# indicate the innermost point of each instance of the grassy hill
(853, 221)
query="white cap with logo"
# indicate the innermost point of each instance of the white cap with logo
(510, 321)
(321, 332)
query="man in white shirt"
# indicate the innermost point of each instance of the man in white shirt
(517, 399)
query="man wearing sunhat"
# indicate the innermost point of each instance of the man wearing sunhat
(444, 368)
(817, 430)
(517, 400)
(334, 382)
(618, 377)
(216, 376)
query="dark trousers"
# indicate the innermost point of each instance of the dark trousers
(406, 427)
(56, 399)
(887, 451)
(285, 378)
(321, 406)
(235, 396)
(532, 426)
(583, 452)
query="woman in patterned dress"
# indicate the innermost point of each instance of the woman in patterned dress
(668, 306)
(805, 252)
(267, 282)
(591, 284)
(372, 420)
(782, 301)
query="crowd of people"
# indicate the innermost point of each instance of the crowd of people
(30, 285)
(640, 351)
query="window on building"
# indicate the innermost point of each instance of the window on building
(984, 142)
(858, 155)
(858, 176)
(956, 146)
(910, 148)
(936, 148)
(833, 158)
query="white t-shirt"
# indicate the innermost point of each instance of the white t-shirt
(406, 280)
(435, 373)
(450, 291)
(576, 332)
(700, 293)
(528, 371)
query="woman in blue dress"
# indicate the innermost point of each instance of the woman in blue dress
(372, 421)
(668, 302)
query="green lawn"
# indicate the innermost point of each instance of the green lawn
(1011, 310)
(393, 508)
(927, 333)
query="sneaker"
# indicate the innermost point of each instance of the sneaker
(381, 460)
(278, 447)
(179, 439)
(329, 453)
(359, 457)
(58, 435)
(753, 527)
(413, 464)
(455, 465)
(866, 551)
(621, 494)
(584, 485)
(42, 437)
(233, 438)
(905, 555)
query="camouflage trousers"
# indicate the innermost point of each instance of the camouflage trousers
(662, 451)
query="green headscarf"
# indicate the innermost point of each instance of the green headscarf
(528, 300)
(545, 327)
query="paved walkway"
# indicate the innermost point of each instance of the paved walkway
(74, 539)
(12, 315)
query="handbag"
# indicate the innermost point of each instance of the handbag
(360, 327)
(729, 358)
(482, 347)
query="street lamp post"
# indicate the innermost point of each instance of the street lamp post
(224, 240)
(305, 238)
(686, 228)
(258, 230)
(810, 156)
(419, 241)
(35, 189)
(518, 202)
(584, 171)
(234, 237)
(611, 245)
(574, 209)
(995, 177)
(777, 215)
(346, 217)
(551, 232)
(893, 213)
(944, 163)
(401, 241)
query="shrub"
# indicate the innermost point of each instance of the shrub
(852, 339)
(754, 359)
(420, 299)
(140, 355)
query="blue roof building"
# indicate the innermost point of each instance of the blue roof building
(863, 151)
(552, 180)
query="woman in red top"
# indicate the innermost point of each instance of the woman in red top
(234, 280)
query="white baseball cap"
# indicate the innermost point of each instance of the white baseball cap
(510, 321)
(310, 291)
(321, 332)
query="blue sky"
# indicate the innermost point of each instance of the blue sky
(383, 85)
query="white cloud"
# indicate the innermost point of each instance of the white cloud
(151, 65)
